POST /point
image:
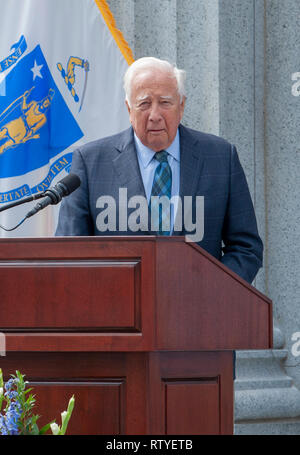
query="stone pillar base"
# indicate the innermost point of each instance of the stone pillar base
(268, 428)
(266, 400)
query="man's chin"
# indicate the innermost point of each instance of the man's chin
(157, 141)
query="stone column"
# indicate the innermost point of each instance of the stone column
(282, 169)
(256, 42)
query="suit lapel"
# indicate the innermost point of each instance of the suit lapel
(127, 167)
(191, 163)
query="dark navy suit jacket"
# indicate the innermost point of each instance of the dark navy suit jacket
(209, 167)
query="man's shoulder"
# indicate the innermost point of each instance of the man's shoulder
(202, 138)
(106, 145)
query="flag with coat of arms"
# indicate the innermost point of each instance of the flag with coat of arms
(61, 85)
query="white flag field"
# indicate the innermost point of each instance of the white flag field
(61, 85)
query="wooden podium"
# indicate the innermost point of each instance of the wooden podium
(140, 329)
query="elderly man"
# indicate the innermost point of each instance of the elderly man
(158, 158)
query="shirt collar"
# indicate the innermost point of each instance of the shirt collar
(145, 154)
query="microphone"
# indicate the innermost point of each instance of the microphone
(55, 194)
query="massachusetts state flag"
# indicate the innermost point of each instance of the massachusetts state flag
(61, 85)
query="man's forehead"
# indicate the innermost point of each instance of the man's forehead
(163, 86)
(153, 77)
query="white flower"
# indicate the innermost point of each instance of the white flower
(54, 428)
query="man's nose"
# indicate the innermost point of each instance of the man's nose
(155, 113)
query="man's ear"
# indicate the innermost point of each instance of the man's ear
(182, 105)
(128, 107)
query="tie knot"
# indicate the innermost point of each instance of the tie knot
(162, 156)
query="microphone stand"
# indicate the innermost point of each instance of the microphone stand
(23, 201)
(15, 203)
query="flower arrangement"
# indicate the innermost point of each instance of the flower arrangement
(17, 417)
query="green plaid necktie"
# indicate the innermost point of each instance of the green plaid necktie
(162, 184)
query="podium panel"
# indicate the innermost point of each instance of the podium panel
(132, 393)
(84, 294)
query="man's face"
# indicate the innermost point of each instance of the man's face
(156, 110)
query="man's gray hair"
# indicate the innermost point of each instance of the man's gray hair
(152, 62)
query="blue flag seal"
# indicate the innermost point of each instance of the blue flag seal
(36, 124)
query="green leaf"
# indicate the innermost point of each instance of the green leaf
(34, 419)
(27, 391)
(30, 400)
(45, 428)
(35, 429)
(1, 379)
